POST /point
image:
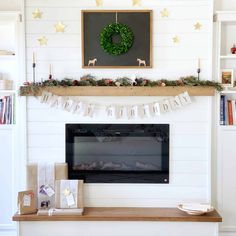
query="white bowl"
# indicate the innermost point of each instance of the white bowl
(195, 212)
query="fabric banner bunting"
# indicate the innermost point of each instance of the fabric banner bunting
(117, 111)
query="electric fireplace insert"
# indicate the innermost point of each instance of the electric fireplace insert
(118, 153)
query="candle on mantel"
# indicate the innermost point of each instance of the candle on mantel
(198, 68)
(50, 71)
(33, 57)
(34, 65)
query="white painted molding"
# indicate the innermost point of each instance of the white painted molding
(225, 16)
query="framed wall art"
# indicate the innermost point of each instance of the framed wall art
(227, 77)
(117, 39)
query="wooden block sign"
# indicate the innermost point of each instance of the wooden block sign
(117, 39)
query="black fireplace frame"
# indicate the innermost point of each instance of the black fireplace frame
(106, 176)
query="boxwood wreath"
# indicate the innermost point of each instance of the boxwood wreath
(89, 80)
(106, 39)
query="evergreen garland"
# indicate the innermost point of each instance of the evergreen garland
(106, 39)
(88, 80)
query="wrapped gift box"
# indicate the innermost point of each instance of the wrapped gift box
(69, 194)
(26, 202)
(45, 175)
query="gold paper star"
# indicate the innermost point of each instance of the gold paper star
(197, 26)
(136, 2)
(43, 41)
(164, 13)
(66, 192)
(60, 27)
(37, 14)
(176, 39)
(99, 3)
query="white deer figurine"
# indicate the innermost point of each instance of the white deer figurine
(92, 62)
(141, 62)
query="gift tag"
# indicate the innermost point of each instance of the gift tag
(70, 199)
(27, 200)
(49, 191)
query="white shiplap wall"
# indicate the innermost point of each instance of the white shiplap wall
(190, 127)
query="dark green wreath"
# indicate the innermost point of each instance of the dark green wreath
(106, 39)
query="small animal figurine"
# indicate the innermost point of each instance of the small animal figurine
(92, 62)
(141, 62)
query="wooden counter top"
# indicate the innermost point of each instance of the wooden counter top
(126, 214)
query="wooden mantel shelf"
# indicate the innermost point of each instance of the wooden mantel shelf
(128, 91)
(126, 214)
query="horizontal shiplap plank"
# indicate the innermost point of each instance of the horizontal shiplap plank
(46, 54)
(189, 153)
(186, 41)
(74, 3)
(67, 11)
(199, 105)
(190, 167)
(56, 115)
(160, 26)
(59, 128)
(72, 69)
(137, 202)
(149, 191)
(188, 140)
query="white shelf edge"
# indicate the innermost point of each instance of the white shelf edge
(228, 91)
(7, 56)
(225, 16)
(8, 91)
(227, 127)
(7, 127)
(228, 57)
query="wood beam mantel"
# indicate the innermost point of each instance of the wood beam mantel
(126, 91)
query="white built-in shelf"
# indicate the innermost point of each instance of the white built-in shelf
(230, 56)
(227, 127)
(225, 16)
(232, 91)
(7, 56)
(8, 91)
(7, 127)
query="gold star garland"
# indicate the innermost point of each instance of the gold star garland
(176, 39)
(197, 26)
(42, 41)
(136, 2)
(164, 13)
(59, 27)
(99, 3)
(37, 14)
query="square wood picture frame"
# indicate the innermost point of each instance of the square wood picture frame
(138, 56)
(227, 77)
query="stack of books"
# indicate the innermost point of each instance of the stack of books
(227, 111)
(7, 110)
